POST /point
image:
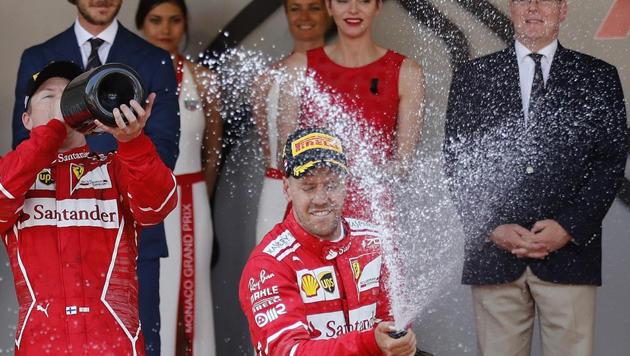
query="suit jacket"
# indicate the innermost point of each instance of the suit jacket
(156, 70)
(565, 163)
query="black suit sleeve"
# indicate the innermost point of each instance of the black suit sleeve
(583, 216)
(163, 124)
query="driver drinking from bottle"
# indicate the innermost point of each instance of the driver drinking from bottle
(70, 220)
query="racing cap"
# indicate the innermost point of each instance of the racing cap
(310, 148)
(62, 69)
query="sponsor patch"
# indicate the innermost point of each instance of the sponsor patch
(356, 269)
(356, 224)
(72, 156)
(371, 242)
(77, 170)
(334, 253)
(318, 285)
(297, 171)
(366, 312)
(318, 324)
(279, 243)
(366, 270)
(266, 317)
(327, 281)
(334, 324)
(45, 177)
(264, 293)
(255, 284)
(44, 181)
(316, 140)
(97, 178)
(70, 212)
(43, 309)
(265, 303)
(309, 285)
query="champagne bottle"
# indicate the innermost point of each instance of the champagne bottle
(94, 95)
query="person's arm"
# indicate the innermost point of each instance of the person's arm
(147, 187)
(410, 111)
(277, 316)
(163, 128)
(208, 86)
(583, 216)
(19, 132)
(19, 168)
(291, 89)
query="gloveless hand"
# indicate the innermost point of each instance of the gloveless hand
(550, 234)
(517, 240)
(126, 132)
(404, 346)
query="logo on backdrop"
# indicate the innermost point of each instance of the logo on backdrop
(616, 25)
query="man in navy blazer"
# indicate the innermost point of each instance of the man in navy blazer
(97, 19)
(535, 150)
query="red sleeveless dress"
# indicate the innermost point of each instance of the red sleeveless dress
(370, 93)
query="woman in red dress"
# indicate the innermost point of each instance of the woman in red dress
(382, 89)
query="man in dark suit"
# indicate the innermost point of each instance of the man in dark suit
(95, 38)
(535, 150)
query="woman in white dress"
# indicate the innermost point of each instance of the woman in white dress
(308, 23)
(185, 296)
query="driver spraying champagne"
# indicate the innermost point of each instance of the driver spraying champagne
(315, 284)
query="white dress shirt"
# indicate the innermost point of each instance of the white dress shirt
(83, 36)
(526, 67)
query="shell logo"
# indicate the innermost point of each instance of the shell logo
(310, 286)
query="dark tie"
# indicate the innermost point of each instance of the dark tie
(94, 60)
(538, 86)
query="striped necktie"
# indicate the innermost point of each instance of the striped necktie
(538, 86)
(94, 60)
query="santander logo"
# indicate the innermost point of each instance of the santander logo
(71, 212)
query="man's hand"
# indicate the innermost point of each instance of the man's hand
(518, 240)
(405, 346)
(133, 127)
(550, 234)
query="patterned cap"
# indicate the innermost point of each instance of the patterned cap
(313, 147)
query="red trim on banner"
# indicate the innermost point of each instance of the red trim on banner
(186, 307)
(616, 25)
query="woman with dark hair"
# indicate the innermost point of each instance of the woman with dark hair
(186, 310)
(308, 22)
(383, 89)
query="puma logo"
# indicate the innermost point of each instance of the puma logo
(42, 309)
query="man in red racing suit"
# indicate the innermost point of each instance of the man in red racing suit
(70, 220)
(315, 283)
